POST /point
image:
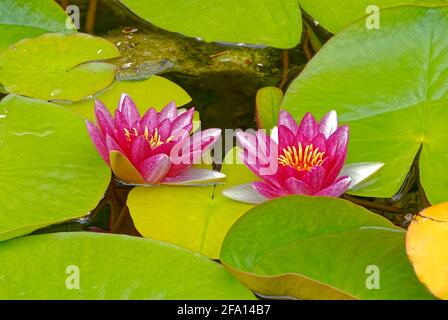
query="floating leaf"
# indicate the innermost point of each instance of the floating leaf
(196, 218)
(49, 170)
(268, 101)
(109, 267)
(426, 243)
(21, 19)
(275, 23)
(154, 92)
(57, 66)
(334, 15)
(391, 92)
(320, 248)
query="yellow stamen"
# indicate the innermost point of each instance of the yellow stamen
(300, 159)
(127, 134)
(155, 140)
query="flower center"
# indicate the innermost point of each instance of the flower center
(301, 158)
(154, 140)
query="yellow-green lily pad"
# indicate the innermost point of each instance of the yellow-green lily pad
(275, 23)
(57, 66)
(50, 171)
(20, 19)
(320, 248)
(85, 265)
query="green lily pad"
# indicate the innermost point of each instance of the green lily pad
(154, 92)
(21, 19)
(196, 218)
(50, 171)
(275, 23)
(57, 66)
(392, 93)
(84, 265)
(320, 248)
(268, 102)
(335, 15)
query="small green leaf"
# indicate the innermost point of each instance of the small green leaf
(268, 101)
(50, 171)
(320, 248)
(196, 218)
(84, 265)
(58, 67)
(275, 23)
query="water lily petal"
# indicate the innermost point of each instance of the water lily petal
(189, 150)
(98, 140)
(333, 168)
(244, 193)
(124, 169)
(195, 176)
(336, 153)
(285, 119)
(296, 186)
(286, 138)
(208, 138)
(104, 119)
(320, 142)
(140, 150)
(150, 120)
(255, 158)
(308, 127)
(112, 145)
(337, 189)
(315, 178)
(129, 110)
(182, 122)
(267, 190)
(165, 129)
(168, 112)
(258, 149)
(155, 168)
(182, 134)
(329, 124)
(163, 148)
(120, 125)
(338, 141)
(360, 172)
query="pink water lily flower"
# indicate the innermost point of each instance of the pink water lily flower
(153, 149)
(306, 159)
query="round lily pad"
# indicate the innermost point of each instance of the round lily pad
(335, 15)
(392, 91)
(21, 19)
(50, 171)
(320, 248)
(275, 23)
(84, 265)
(57, 66)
